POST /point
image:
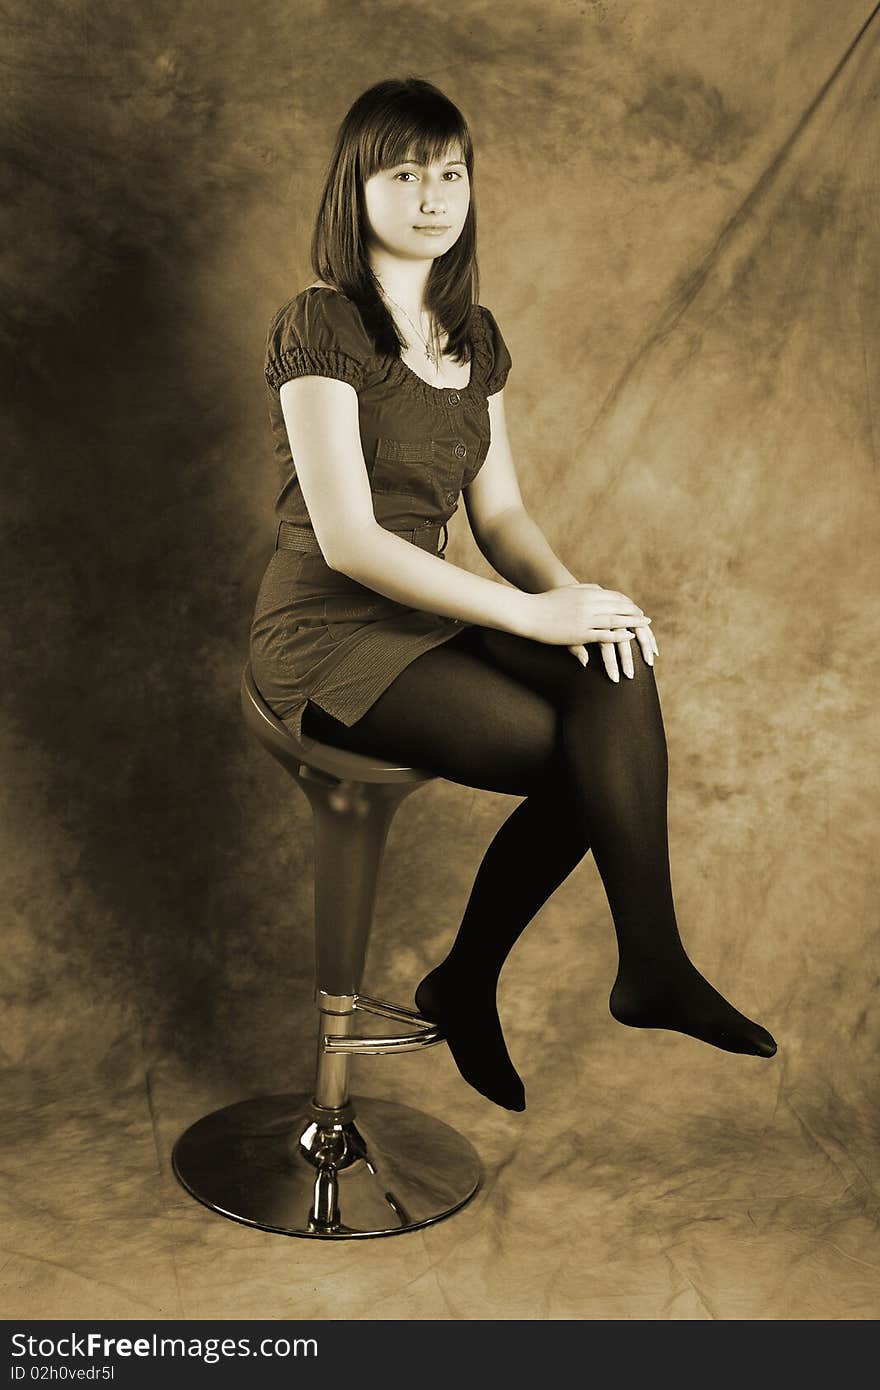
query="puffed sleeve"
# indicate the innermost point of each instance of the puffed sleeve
(498, 362)
(320, 333)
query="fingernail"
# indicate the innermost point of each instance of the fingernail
(615, 679)
(629, 674)
(650, 660)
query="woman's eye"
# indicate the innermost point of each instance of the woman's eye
(408, 173)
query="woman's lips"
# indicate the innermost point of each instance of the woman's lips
(432, 231)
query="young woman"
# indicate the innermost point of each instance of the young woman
(386, 386)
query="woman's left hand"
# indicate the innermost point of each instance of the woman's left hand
(609, 650)
(610, 654)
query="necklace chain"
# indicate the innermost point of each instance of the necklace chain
(432, 353)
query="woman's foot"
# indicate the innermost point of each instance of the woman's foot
(681, 999)
(468, 1018)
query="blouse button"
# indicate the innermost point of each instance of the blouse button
(460, 451)
(450, 498)
(454, 398)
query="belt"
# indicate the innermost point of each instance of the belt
(290, 536)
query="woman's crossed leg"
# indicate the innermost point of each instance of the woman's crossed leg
(491, 710)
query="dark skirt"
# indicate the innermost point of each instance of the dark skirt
(318, 635)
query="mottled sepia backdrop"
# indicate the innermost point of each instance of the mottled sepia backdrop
(678, 236)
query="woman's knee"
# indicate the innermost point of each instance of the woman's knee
(593, 682)
(557, 674)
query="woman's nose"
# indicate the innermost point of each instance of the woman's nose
(433, 198)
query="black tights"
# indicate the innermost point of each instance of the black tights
(507, 714)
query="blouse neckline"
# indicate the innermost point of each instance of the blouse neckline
(441, 390)
(459, 389)
(405, 373)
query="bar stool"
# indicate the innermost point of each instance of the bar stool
(327, 1164)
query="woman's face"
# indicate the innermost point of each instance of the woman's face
(404, 202)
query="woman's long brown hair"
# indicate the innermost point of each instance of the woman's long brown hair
(395, 120)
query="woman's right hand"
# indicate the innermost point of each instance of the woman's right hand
(581, 613)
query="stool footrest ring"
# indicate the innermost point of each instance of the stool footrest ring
(422, 1032)
(383, 1009)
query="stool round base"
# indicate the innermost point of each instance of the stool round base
(375, 1168)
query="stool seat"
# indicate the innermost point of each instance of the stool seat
(338, 762)
(326, 1164)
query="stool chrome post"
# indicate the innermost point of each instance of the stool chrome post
(326, 1164)
(332, 1068)
(351, 824)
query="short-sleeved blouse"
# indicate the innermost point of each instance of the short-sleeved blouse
(316, 633)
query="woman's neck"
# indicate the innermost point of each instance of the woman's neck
(402, 281)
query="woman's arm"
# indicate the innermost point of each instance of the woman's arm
(321, 415)
(506, 534)
(518, 549)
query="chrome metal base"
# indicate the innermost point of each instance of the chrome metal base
(369, 1168)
